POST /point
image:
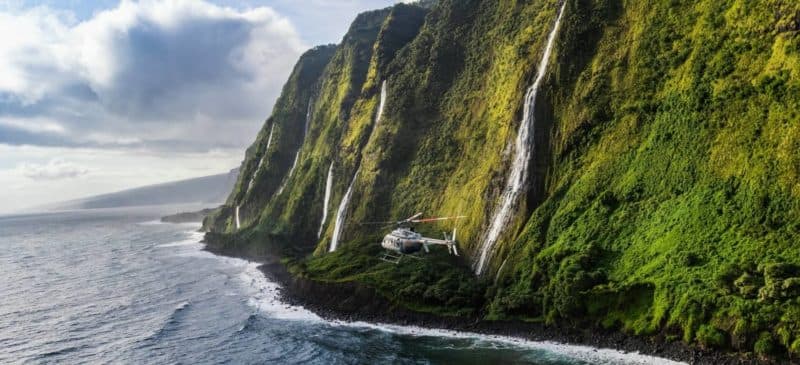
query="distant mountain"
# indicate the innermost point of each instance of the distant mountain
(211, 190)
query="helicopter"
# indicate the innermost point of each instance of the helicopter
(404, 241)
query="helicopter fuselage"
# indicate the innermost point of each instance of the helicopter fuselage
(406, 241)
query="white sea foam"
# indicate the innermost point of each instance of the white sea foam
(180, 244)
(193, 239)
(154, 222)
(586, 353)
(264, 296)
(182, 305)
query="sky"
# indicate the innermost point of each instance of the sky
(98, 96)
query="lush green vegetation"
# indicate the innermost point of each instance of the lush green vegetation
(437, 283)
(673, 198)
(665, 192)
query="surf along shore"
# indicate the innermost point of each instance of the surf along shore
(356, 302)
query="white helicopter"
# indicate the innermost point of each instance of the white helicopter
(403, 240)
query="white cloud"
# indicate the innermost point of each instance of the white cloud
(56, 169)
(144, 71)
(34, 125)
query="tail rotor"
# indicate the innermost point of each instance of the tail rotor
(451, 243)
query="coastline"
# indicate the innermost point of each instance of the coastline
(353, 302)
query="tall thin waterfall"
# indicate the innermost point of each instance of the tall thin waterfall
(308, 116)
(238, 224)
(518, 176)
(297, 154)
(261, 162)
(341, 213)
(291, 171)
(380, 104)
(328, 186)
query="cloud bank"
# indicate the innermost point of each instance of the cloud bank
(165, 75)
(56, 169)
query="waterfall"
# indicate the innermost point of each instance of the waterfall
(291, 171)
(380, 104)
(341, 213)
(261, 162)
(297, 154)
(328, 186)
(518, 176)
(308, 116)
(238, 224)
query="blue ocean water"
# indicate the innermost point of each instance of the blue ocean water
(116, 286)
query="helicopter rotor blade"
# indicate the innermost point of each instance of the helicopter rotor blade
(411, 218)
(436, 219)
(376, 222)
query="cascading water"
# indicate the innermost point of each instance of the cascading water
(238, 224)
(308, 116)
(291, 171)
(328, 186)
(518, 176)
(261, 162)
(380, 104)
(341, 213)
(297, 154)
(255, 173)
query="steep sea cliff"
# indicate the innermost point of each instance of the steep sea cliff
(649, 185)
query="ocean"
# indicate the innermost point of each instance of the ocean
(116, 286)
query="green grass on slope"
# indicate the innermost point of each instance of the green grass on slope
(435, 283)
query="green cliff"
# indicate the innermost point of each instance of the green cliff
(663, 193)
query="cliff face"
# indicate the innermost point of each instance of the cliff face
(660, 195)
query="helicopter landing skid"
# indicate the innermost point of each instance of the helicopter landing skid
(391, 258)
(395, 258)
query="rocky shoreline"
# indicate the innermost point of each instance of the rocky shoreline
(354, 302)
(187, 217)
